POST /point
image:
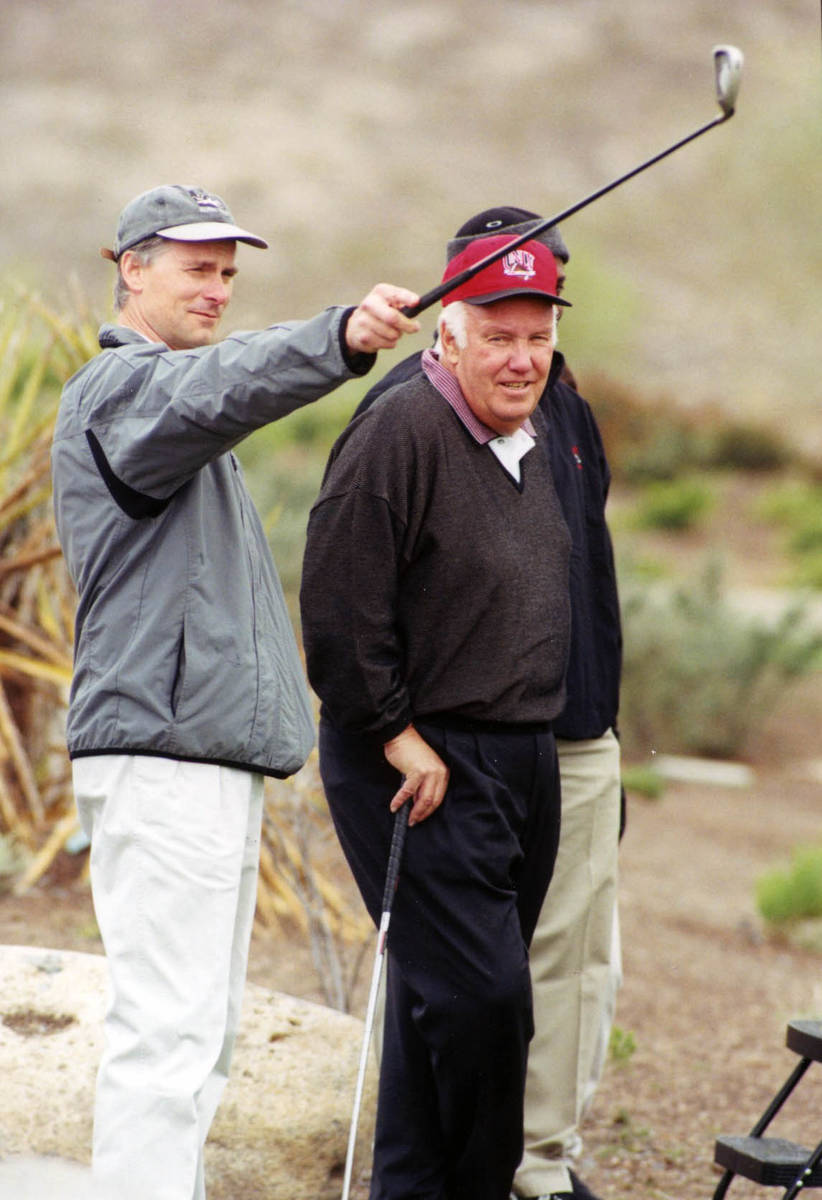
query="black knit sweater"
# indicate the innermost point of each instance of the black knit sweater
(433, 583)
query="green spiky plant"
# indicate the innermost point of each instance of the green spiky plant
(38, 351)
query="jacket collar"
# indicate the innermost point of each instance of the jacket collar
(557, 363)
(112, 336)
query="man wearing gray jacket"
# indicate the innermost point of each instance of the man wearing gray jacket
(187, 685)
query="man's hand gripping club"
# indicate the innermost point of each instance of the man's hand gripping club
(425, 775)
(377, 323)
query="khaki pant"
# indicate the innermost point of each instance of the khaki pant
(575, 966)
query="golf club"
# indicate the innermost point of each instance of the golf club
(727, 71)
(391, 876)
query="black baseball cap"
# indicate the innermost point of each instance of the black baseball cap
(508, 220)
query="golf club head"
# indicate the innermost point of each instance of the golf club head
(728, 70)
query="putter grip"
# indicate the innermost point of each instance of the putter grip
(395, 855)
(425, 301)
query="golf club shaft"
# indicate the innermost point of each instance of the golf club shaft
(391, 877)
(443, 289)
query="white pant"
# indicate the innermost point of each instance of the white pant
(174, 856)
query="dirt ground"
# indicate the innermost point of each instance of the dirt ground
(706, 996)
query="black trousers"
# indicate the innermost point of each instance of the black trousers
(458, 999)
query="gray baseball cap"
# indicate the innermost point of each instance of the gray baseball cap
(180, 213)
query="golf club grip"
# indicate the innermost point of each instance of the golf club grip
(395, 855)
(425, 301)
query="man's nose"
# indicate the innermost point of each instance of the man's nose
(520, 358)
(217, 290)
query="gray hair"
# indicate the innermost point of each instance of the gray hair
(452, 318)
(145, 251)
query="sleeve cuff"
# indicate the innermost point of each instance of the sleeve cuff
(389, 732)
(358, 364)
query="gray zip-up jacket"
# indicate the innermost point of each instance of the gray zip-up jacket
(183, 644)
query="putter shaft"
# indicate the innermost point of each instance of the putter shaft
(727, 66)
(391, 877)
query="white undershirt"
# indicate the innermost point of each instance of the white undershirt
(510, 449)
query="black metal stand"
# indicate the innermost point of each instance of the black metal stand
(775, 1162)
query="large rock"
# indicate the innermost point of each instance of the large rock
(282, 1128)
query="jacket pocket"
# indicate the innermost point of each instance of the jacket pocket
(179, 673)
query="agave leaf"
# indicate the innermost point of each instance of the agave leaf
(47, 616)
(35, 438)
(24, 562)
(35, 641)
(35, 668)
(79, 341)
(23, 507)
(31, 379)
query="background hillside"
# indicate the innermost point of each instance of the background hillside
(358, 136)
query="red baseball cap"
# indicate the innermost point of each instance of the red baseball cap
(529, 270)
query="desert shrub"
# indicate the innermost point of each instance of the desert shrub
(698, 675)
(790, 503)
(643, 780)
(702, 440)
(621, 1045)
(806, 536)
(796, 507)
(638, 568)
(668, 450)
(791, 893)
(807, 572)
(653, 438)
(643, 439)
(674, 505)
(743, 446)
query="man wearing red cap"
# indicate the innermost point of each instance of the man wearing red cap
(574, 954)
(436, 621)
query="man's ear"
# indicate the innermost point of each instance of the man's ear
(450, 351)
(131, 270)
